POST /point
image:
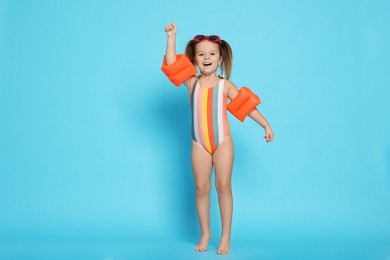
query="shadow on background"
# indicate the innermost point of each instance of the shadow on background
(177, 117)
(166, 119)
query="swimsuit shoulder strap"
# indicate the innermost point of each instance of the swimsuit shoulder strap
(196, 81)
(194, 86)
(221, 83)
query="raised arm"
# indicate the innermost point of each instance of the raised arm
(170, 52)
(177, 67)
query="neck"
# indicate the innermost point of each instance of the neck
(209, 77)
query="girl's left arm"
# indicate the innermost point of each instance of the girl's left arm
(232, 92)
(260, 119)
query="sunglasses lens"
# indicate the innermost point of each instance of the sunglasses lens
(214, 38)
(200, 37)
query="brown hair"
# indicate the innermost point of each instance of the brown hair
(225, 52)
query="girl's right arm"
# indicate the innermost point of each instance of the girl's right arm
(170, 52)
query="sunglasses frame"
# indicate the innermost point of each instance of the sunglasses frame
(207, 37)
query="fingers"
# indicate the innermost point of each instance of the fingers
(170, 27)
(269, 137)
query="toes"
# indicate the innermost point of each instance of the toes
(200, 249)
(223, 252)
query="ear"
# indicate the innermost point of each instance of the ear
(220, 60)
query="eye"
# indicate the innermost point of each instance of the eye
(200, 54)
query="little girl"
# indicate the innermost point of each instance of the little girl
(212, 144)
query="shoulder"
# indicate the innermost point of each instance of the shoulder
(229, 84)
(189, 83)
(230, 89)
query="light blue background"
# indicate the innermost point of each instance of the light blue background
(95, 141)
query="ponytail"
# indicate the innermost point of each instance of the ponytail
(227, 59)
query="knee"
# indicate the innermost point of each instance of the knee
(203, 189)
(223, 187)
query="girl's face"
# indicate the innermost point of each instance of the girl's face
(207, 57)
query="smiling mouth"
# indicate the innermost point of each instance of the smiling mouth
(207, 64)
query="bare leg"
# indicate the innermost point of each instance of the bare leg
(223, 165)
(202, 166)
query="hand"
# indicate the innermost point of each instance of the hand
(170, 29)
(269, 135)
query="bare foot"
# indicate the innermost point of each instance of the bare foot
(224, 245)
(203, 242)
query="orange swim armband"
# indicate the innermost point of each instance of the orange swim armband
(243, 103)
(180, 70)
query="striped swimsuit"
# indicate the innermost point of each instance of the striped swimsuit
(209, 117)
